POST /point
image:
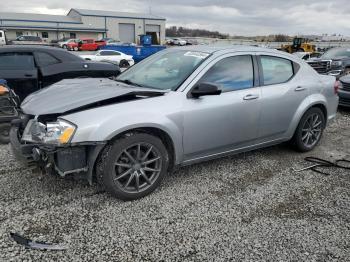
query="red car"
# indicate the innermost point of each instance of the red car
(87, 44)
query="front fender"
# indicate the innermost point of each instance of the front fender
(112, 126)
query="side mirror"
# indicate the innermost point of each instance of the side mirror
(205, 89)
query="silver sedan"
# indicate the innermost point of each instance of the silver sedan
(178, 107)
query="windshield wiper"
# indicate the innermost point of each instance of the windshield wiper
(128, 82)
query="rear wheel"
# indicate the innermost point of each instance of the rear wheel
(124, 64)
(133, 166)
(309, 130)
(5, 133)
(64, 47)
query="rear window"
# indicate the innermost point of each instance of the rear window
(276, 70)
(16, 61)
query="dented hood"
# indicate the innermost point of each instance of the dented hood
(72, 94)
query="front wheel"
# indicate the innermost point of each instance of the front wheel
(309, 130)
(133, 166)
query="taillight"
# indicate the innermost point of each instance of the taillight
(336, 86)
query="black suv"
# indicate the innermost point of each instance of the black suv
(29, 68)
(335, 62)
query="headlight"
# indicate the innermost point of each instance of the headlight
(337, 63)
(59, 132)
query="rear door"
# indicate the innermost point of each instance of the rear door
(19, 69)
(282, 91)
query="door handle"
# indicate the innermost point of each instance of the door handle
(250, 97)
(28, 75)
(300, 88)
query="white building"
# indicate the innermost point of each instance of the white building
(82, 23)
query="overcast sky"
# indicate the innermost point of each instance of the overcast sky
(236, 17)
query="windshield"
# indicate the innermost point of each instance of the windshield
(336, 52)
(164, 70)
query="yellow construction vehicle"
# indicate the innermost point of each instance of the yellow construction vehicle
(299, 45)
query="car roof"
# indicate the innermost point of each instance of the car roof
(228, 48)
(60, 53)
(28, 47)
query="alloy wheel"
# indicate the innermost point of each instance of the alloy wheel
(312, 130)
(137, 167)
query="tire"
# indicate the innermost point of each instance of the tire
(124, 64)
(120, 166)
(5, 133)
(64, 47)
(309, 131)
(76, 49)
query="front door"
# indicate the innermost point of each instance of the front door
(226, 122)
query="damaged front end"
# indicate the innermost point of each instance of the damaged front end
(44, 143)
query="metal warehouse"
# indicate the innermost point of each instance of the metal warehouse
(83, 23)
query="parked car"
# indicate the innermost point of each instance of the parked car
(344, 91)
(63, 39)
(179, 41)
(86, 45)
(30, 68)
(64, 44)
(73, 46)
(109, 40)
(169, 41)
(178, 107)
(335, 62)
(28, 40)
(119, 58)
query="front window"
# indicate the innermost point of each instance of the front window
(165, 70)
(336, 53)
(231, 73)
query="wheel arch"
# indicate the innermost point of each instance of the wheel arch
(316, 101)
(168, 141)
(157, 132)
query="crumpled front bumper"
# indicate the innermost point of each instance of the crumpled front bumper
(72, 159)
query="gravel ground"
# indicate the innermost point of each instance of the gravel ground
(250, 207)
